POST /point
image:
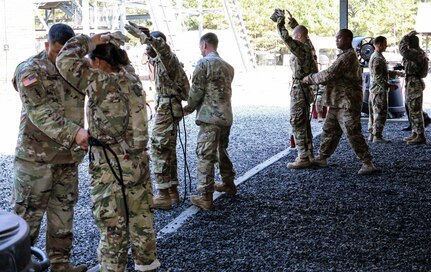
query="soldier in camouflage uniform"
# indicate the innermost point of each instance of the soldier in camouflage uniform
(210, 95)
(413, 59)
(172, 86)
(379, 88)
(302, 63)
(320, 102)
(46, 167)
(121, 191)
(343, 81)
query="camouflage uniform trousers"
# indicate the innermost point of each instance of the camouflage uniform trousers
(414, 100)
(299, 119)
(211, 148)
(50, 188)
(163, 150)
(378, 112)
(320, 103)
(110, 213)
(347, 121)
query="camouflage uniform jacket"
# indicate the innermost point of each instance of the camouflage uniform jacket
(171, 80)
(412, 58)
(211, 91)
(378, 73)
(52, 113)
(303, 60)
(343, 80)
(292, 24)
(116, 109)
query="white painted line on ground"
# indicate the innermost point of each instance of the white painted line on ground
(175, 224)
(179, 220)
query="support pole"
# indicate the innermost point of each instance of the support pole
(344, 14)
(123, 16)
(85, 17)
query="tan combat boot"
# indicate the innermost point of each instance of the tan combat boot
(227, 187)
(204, 201)
(163, 200)
(411, 137)
(320, 162)
(380, 140)
(174, 194)
(62, 267)
(299, 163)
(367, 168)
(420, 139)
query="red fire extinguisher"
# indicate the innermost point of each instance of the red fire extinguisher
(292, 141)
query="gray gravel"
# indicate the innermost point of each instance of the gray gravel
(318, 220)
(304, 220)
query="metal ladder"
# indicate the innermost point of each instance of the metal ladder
(233, 14)
(71, 9)
(165, 20)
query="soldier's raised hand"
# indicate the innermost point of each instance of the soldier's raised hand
(116, 38)
(277, 16)
(413, 33)
(97, 39)
(291, 21)
(140, 32)
(290, 15)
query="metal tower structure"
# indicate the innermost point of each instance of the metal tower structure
(167, 19)
(98, 15)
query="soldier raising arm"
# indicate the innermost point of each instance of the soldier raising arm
(118, 123)
(172, 87)
(302, 63)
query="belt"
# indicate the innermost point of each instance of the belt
(167, 99)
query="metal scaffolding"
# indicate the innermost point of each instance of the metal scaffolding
(97, 15)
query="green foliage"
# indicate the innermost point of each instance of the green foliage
(213, 16)
(390, 18)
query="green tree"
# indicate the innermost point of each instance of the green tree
(390, 18)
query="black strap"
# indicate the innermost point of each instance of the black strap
(68, 83)
(119, 177)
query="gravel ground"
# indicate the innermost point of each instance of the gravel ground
(249, 146)
(319, 219)
(281, 220)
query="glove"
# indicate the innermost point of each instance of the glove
(140, 32)
(116, 38)
(278, 16)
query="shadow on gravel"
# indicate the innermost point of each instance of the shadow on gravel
(318, 219)
(291, 220)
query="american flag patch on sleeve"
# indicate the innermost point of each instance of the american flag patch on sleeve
(27, 81)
